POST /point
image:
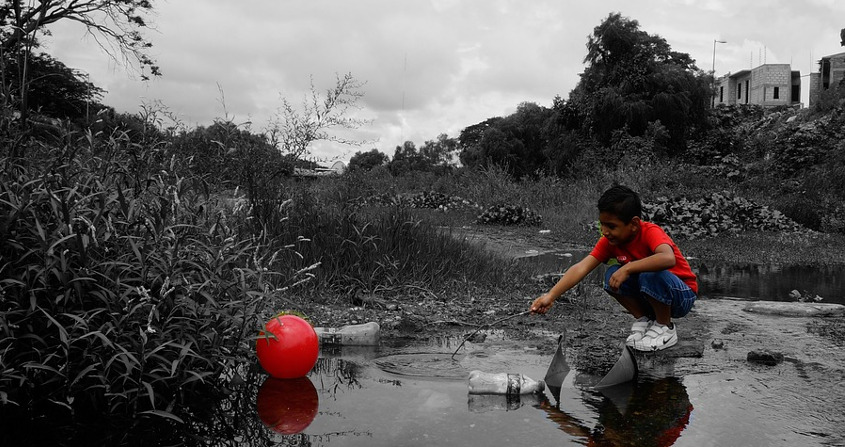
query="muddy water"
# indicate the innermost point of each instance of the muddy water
(417, 396)
(721, 279)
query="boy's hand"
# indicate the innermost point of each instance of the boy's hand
(618, 277)
(542, 304)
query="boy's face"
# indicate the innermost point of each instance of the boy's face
(616, 231)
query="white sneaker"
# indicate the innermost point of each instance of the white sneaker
(638, 330)
(657, 337)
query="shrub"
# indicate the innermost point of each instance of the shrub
(383, 248)
(721, 212)
(510, 215)
(120, 294)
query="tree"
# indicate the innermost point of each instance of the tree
(115, 24)
(54, 89)
(517, 142)
(438, 154)
(293, 130)
(406, 158)
(365, 161)
(633, 79)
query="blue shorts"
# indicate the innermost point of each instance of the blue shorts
(663, 286)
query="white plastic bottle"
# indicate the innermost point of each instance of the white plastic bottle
(366, 334)
(503, 383)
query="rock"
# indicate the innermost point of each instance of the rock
(717, 344)
(765, 357)
(796, 309)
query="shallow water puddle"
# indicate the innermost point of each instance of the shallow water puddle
(417, 396)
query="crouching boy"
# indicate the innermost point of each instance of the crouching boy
(652, 280)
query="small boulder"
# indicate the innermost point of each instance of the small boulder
(765, 357)
(799, 309)
(717, 344)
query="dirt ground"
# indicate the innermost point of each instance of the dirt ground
(594, 324)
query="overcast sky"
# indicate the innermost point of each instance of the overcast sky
(430, 66)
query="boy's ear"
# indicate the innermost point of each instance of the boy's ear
(636, 221)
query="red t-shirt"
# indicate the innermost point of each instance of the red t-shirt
(643, 245)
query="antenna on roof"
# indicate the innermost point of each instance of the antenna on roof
(402, 124)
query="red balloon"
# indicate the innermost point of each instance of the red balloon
(287, 406)
(291, 351)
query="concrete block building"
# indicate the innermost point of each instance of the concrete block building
(768, 85)
(831, 72)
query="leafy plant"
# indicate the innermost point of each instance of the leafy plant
(510, 215)
(718, 213)
(120, 292)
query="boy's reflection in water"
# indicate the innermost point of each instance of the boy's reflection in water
(648, 413)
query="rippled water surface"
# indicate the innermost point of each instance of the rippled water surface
(417, 396)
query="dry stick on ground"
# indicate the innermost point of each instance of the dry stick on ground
(459, 323)
(487, 326)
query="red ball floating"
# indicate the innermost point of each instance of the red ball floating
(287, 406)
(288, 347)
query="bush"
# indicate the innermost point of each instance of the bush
(121, 295)
(510, 215)
(721, 212)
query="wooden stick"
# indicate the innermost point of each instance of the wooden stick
(487, 327)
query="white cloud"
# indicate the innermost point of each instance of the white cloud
(430, 66)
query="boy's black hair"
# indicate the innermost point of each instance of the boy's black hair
(622, 202)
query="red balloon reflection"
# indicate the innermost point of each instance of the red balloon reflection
(287, 406)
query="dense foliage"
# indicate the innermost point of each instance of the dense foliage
(54, 90)
(710, 216)
(365, 161)
(634, 79)
(634, 86)
(137, 267)
(504, 214)
(123, 289)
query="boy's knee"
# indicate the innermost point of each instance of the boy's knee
(660, 275)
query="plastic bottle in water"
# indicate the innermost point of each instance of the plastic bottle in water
(366, 334)
(503, 383)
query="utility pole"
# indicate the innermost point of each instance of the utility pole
(713, 69)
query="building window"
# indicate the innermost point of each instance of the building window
(722, 94)
(739, 90)
(776, 94)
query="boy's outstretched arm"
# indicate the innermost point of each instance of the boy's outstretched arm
(573, 276)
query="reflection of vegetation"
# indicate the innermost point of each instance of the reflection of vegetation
(335, 373)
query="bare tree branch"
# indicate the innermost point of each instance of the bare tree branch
(293, 130)
(115, 25)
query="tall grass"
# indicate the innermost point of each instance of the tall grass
(121, 290)
(350, 249)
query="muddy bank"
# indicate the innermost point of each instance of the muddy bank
(595, 323)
